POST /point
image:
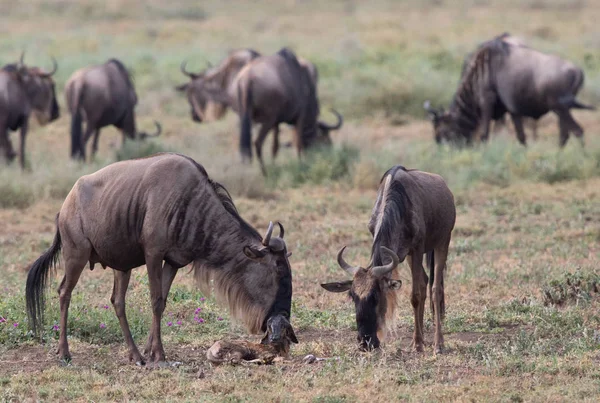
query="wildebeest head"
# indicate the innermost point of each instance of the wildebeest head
(323, 138)
(444, 125)
(40, 89)
(280, 334)
(202, 106)
(373, 292)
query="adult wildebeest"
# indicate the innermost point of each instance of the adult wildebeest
(414, 214)
(503, 77)
(165, 212)
(285, 89)
(24, 90)
(102, 95)
(219, 78)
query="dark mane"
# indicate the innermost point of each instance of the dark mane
(225, 198)
(227, 202)
(479, 70)
(396, 207)
(122, 69)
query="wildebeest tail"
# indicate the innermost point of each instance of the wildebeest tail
(578, 105)
(36, 283)
(246, 123)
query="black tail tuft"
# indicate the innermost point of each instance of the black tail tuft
(578, 105)
(36, 283)
(246, 124)
(431, 264)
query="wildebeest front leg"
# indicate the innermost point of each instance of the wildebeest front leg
(154, 266)
(6, 144)
(437, 295)
(419, 294)
(275, 146)
(95, 143)
(518, 123)
(168, 276)
(121, 283)
(24, 127)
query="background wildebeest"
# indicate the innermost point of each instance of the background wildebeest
(221, 85)
(503, 77)
(414, 214)
(25, 90)
(100, 96)
(219, 78)
(499, 114)
(165, 212)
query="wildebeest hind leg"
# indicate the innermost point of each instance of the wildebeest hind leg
(95, 143)
(573, 126)
(121, 282)
(154, 266)
(24, 127)
(275, 146)
(6, 144)
(437, 295)
(76, 256)
(258, 143)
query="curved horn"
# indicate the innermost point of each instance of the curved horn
(344, 265)
(337, 126)
(22, 57)
(185, 72)
(267, 237)
(51, 73)
(380, 271)
(281, 230)
(158, 130)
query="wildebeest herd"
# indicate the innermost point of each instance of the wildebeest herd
(165, 212)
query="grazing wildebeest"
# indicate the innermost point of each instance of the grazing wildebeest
(100, 96)
(414, 215)
(165, 212)
(503, 77)
(25, 90)
(219, 78)
(228, 85)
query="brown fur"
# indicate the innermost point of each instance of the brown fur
(414, 213)
(239, 351)
(23, 91)
(165, 212)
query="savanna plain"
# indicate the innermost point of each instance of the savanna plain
(522, 281)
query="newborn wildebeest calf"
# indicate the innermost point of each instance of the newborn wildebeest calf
(165, 212)
(414, 214)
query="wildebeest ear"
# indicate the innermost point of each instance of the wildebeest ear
(338, 286)
(181, 87)
(395, 284)
(254, 252)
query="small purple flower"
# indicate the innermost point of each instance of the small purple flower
(200, 320)
(219, 318)
(55, 328)
(102, 326)
(202, 299)
(16, 324)
(169, 323)
(179, 323)
(105, 307)
(197, 310)
(2, 319)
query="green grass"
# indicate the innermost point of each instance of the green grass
(521, 284)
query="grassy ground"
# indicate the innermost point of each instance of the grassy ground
(522, 283)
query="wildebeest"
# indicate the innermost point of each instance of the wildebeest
(503, 77)
(165, 212)
(414, 214)
(100, 96)
(264, 89)
(25, 90)
(219, 78)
